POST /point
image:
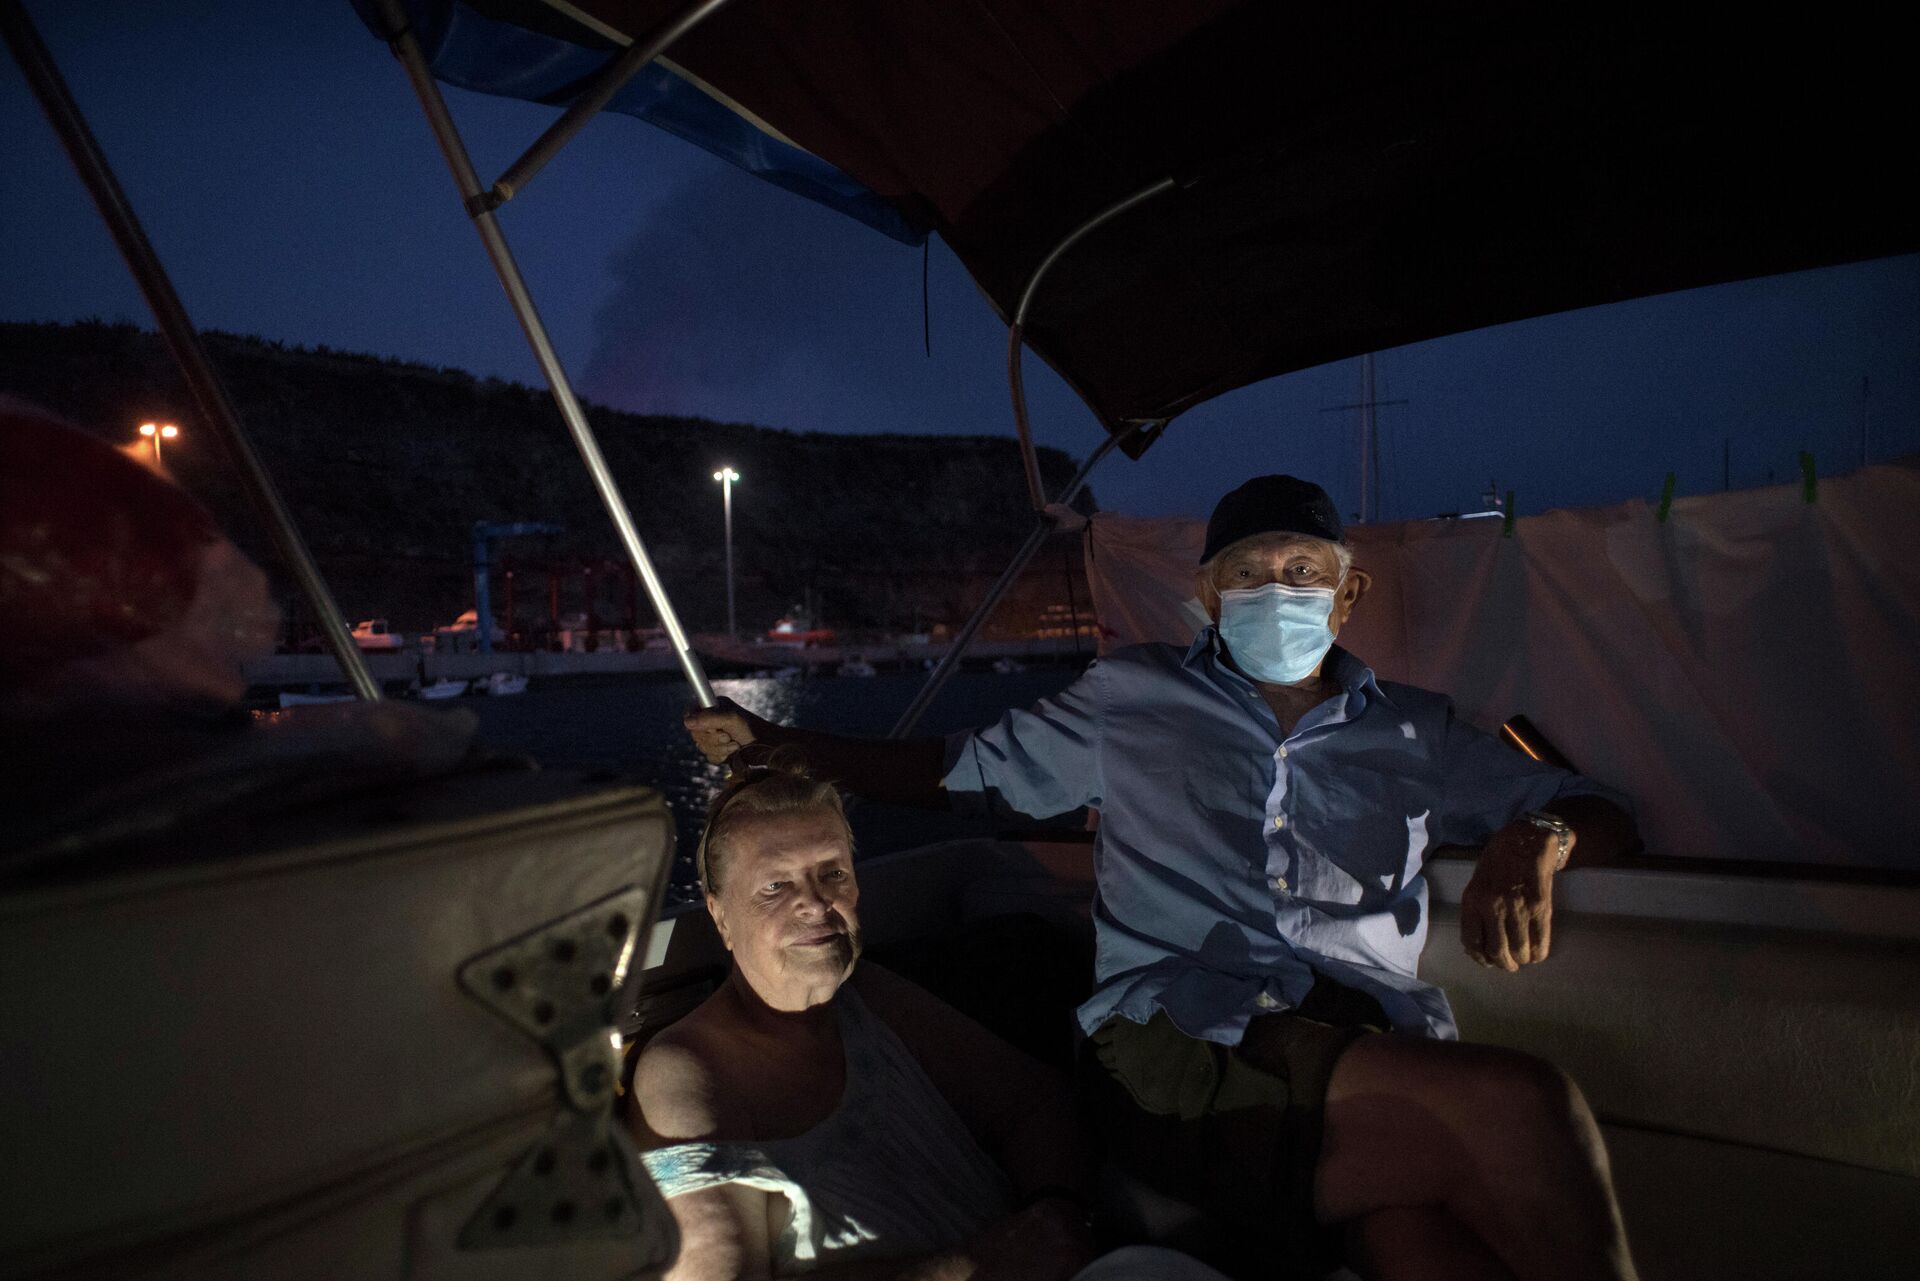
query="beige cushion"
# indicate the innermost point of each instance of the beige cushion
(1796, 1040)
(263, 1064)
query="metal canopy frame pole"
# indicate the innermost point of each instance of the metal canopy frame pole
(407, 49)
(189, 353)
(591, 103)
(1036, 492)
(1017, 330)
(950, 661)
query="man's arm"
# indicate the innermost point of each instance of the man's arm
(900, 771)
(1035, 763)
(1506, 911)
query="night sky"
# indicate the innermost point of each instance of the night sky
(286, 176)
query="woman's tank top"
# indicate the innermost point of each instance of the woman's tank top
(892, 1172)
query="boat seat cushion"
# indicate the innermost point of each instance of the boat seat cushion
(1802, 1041)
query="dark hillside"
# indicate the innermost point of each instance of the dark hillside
(387, 465)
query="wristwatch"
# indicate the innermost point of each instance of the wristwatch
(1558, 826)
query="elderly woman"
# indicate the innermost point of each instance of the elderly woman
(808, 1118)
(803, 1118)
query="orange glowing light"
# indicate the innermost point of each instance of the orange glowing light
(1520, 743)
(157, 432)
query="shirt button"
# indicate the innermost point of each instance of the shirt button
(1283, 753)
(1266, 1002)
(1278, 882)
(1279, 821)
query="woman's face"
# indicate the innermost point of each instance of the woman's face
(787, 906)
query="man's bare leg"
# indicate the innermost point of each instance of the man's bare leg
(1501, 1142)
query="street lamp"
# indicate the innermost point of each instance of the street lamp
(157, 432)
(728, 478)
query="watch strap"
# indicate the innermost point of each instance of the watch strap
(1560, 828)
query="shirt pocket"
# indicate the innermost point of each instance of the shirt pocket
(1364, 857)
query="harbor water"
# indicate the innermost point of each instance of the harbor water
(630, 727)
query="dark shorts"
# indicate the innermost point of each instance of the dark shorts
(1232, 1130)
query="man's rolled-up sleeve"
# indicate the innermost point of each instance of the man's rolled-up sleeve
(1486, 784)
(1033, 763)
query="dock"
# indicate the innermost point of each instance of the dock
(721, 656)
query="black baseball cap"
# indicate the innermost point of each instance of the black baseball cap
(1271, 505)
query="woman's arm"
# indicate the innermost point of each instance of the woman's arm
(725, 1231)
(723, 1234)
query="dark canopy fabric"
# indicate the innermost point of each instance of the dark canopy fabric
(1351, 177)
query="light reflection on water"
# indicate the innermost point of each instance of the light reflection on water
(774, 698)
(631, 726)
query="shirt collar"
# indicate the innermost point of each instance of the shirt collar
(1356, 678)
(1205, 641)
(1352, 675)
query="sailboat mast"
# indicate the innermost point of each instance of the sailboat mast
(1366, 435)
(1369, 402)
(1372, 457)
(1863, 419)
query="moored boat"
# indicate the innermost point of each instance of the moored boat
(373, 636)
(793, 633)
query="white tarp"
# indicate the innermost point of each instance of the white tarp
(1749, 670)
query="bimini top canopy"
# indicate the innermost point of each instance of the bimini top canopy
(1348, 177)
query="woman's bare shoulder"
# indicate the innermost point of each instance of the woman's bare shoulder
(680, 1091)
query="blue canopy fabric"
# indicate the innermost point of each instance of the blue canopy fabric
(471, 50)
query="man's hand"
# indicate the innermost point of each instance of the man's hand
(1506, 911)
(723, 729)
(898, 771)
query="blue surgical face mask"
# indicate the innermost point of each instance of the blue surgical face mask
(1277, 634)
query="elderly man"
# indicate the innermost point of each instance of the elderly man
(1266, 808)
(808, 1118)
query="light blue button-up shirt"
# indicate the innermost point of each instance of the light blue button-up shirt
(1234, 862)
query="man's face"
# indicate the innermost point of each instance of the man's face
(1294, 560)
(787, 904)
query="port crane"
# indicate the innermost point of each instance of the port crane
(484, 534)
